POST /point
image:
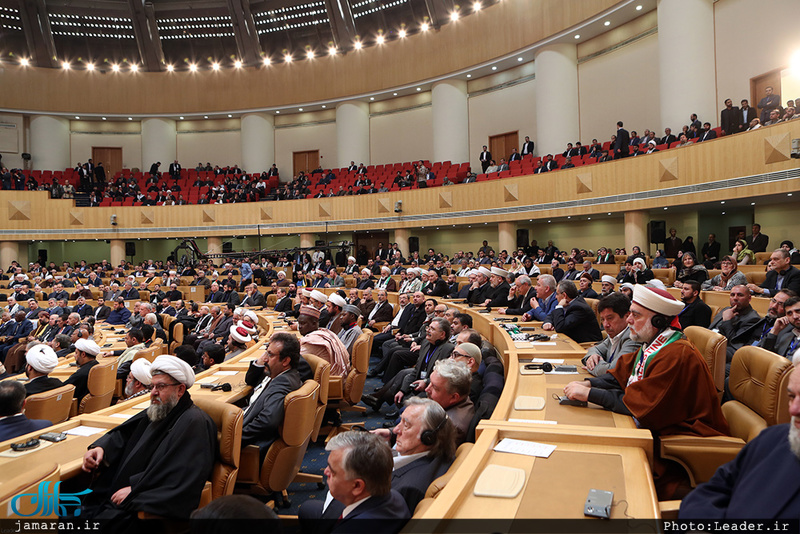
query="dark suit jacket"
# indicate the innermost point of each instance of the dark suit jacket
(383, 313)
(262, 420)
(284, 305)
(695, 314)
(386, 514)
(41, 384)
(366, 307)
(737, 330)
(412, 480)
(762, 481)
(577, 321)
(80, 378)
(791, 280)
(425, 362)
(730, 119)
(522, 306)
(779, 344)
(668, 140)
(131, 294)
(17, 425)
(622, 143)
(416, 316)
(437, 289)
(707, 136)
(84, 311)
(256, 299)
(759, 244)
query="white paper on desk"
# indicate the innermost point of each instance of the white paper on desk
(575, 372)
(523, 344)
(121, 415)
(205, 380)
(528, 448)
(226, 373)
(554, 361)
(536, 421)
(84, 430)
(142, 405)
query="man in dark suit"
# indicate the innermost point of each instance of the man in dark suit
(359, 479)
(622, 143)
(707, 134)
(284, 302)
(82, 309)
(485, 158)
(273, 375)
(668, 138)
(381, 312)
(782, 275)
(757, 241)
(762, 481)
(86, 352)
(735, 322)
(696, 312)
(13, 422)
(175, 170)
(129, 292)
(572, 316)
(746, 115)
(770, 102)
(782, 338)
(730, 118)
(41, 360)
(254, 297)
(154, 168)
(527, 147)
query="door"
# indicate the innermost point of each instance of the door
(759, 84)
(370, 240)
(305, 161)
(500, 145)
(111, 157)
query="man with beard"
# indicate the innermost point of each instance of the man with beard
(498, 295)
(762, 481)
(665, 385)
(156, 462)
(139, 381)
(783, 336)
(696, 312)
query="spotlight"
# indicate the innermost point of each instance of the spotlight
(115, 67)
(401, 34)
(215, 66)
(90, 67)
(170, 68)
(357, 45)
(134, 68)
(424, 27)
(193, 67)
(237, 64)
(24, 62)
(65, 65)
(332, 51)
(476, 6)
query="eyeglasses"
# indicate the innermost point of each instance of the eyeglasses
(455, 354)
(162, 387)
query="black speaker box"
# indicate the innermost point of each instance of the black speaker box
(413, 244)
(522, 238)
(130, 248)
(658, 231)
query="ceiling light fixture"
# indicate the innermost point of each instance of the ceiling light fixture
(170, 68)
(237, 64)
(134, 68)
(193, 67)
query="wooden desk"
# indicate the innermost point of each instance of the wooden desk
(68, 453)
(555, 487)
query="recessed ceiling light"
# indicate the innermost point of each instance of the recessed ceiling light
(215, 66)
(230, 116)
(134, 68)
(394, 94)
(332, 51)
(401, 34)
(90, 67)
(380, 39)
(77, 117)
(299, 109)
(287, 58)
(24, 62)
(310, 54)
(193, 67)
(115, 67)
(424, 27)
(638, 8)
(519, 59)
(266, 61)
(170, 68)
(607, 23)
(476, 6)
(454, 16)
(65, 65)
(577, 36)
(358, 45)
(419, 88)
(237, 64)
(469, 75)
(205, 116)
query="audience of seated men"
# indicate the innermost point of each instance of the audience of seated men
(696, 312)
(736, 322)
(614, 311)
(13, 422)
(572, 316)
(40, 359)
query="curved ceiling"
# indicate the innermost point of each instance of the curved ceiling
(159, 33)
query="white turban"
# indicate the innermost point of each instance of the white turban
(140, 369)
(251, 315)
(484, 271)
(174, 367)
(657, 300)
(607, 278)
(88, 346)
(500, 272)
(42, 358)
(319, 296)
(240, 334)
(306, 292)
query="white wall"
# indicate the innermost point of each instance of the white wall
(80, 146)
(320, 137)
(746, 48)
(218, 148)
(13, 160)
(401, 136)
(620, 85)
(498, 112)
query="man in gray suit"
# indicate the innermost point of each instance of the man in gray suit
(614, 310)
(735, 321)
(784, 337)
(272, 376)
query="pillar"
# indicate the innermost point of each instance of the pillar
(117, 253)
(686, 65)
(258, 142)
(9, 251)
(450, 121)
(556, 98)
(49, 143)
(636, 230)
(159, 143)
(401, 236)
(23, 258)
(214, 245)
(306, 240)
(352, 133)
(507, 237)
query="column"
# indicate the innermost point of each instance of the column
(117, 253)
(159, 143)
(306, 240)
(683, 60)
(214, 245)
(23, 257)
(401, 236)
(258, 142)
(352, 134)
(9, 251)
(50, 143)
(507, 240)
(450, 121)
(556, 98)
(636, 230)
